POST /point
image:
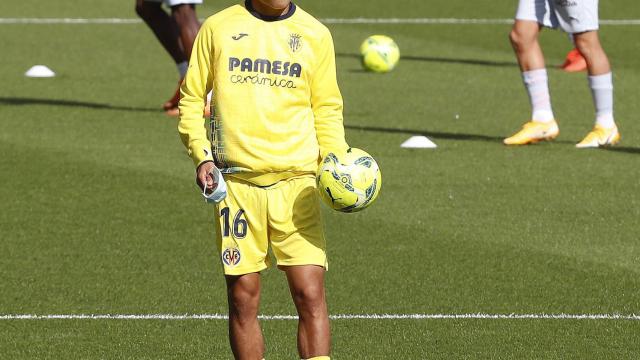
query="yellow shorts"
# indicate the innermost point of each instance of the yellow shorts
(284, 216)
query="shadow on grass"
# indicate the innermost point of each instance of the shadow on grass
(472, 137)
(623, 149)
(22, 101)
(433, 134)
(444, 60)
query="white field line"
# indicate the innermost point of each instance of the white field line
(333, 317)
(110, 21)
(366, 21)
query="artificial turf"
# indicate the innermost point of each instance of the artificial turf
(99, 213)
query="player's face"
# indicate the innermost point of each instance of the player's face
(275, 5)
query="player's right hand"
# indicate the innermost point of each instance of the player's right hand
(204, 176)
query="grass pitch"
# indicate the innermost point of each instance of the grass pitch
(99, 214)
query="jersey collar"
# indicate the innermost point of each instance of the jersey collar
(249, 7)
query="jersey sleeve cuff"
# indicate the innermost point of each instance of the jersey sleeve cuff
(200, 153)
(334, 149)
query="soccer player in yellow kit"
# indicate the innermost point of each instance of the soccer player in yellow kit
(276, 110)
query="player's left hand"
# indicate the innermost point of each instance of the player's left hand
(204, 176)
(210, 180)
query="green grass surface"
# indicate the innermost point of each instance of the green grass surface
(353, 339)
(99, 214)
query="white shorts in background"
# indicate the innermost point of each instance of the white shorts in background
(171, 3)
(572, 16)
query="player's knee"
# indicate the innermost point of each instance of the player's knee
(518, 39)
(310, 301)
(587, 45)
(244, 301)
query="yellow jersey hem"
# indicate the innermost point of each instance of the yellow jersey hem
(244, 271)
(269, 179)
(301, 262)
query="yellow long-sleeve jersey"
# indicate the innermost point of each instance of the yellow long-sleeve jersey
(276, 106)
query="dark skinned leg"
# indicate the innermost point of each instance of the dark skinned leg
(306, 284)
(163, 28)
(188, 25)
(245, 336)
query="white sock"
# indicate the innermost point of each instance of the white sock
(535, 82)
(182, 68)
(602, 91)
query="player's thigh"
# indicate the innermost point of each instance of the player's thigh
(295, 223)
(242, 229)
(143, 6)
(576, 16)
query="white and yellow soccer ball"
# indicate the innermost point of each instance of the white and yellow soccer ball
(349, 181)
(379, 53)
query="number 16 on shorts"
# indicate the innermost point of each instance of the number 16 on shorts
(238, 227)
(233, 226)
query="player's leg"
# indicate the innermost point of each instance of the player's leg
(188, 25)
(183, 13)
(605, 131)
(574, 61)
(588, 43)
(165, 31)
(306, 284)
(298, 243)
(581, 19)
(524, 40)
(241, 234)
(245, 336)
(162, 26)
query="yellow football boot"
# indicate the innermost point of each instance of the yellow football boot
(600, 136)
(534, 131)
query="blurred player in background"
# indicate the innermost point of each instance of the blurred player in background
(277, 110)
(574, 61)
(580, 18)
(176, 33)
